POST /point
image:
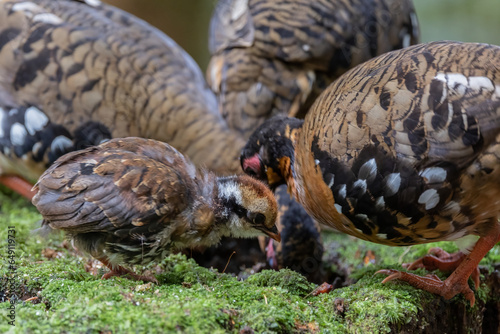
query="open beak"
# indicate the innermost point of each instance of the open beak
(273, 233)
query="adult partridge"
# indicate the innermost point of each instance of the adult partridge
(401, 150)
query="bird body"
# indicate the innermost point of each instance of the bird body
(84, 61)
(276, 57)
(133, 200)
(401, 150)
(435, 136)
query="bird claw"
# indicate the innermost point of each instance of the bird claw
(438, 259)
(431, 283)
(391, 274)
(19, 185)
(414, 265)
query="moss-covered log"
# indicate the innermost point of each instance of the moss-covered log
(60, 291)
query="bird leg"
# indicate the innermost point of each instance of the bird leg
(271, 255)
(457, 282)
(439, 259)
(19, 185)
(121, 271)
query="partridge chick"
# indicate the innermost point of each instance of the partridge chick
(66, 63)
(276, 56)
(133, 200)
(401, 150)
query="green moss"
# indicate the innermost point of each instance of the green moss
(285, 279)
(370, 307)
(193, 299)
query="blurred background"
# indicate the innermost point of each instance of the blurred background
(187, 21)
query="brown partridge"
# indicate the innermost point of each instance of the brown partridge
(276, 56)
(401, 150)
(66, 64)
(133, 200)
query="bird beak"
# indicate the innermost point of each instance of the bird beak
(273, 233)
(252, 166)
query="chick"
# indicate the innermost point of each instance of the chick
(133, 200)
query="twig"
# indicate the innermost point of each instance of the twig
(230, 256)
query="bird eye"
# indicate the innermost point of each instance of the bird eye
(259, 219)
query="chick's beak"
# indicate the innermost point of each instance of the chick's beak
(273, 233)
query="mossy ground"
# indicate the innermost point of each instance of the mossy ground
(193, 299)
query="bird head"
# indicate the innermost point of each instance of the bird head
(248, 206)
(270, 149)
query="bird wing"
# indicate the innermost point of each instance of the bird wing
(432, 102)
(130, 185)
(272, 57)
(68, 57)
(314, 32)
(231, 26)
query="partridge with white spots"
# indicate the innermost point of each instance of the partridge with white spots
(401, 150)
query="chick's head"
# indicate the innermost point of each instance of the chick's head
(249, 206)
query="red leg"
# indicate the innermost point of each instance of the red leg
(121, 271)
(437, 259)
(271, 255)
(443, 261)
(18, 184)
(457, 282)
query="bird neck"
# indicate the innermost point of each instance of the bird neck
(227, 197)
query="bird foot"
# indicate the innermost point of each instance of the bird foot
(120, 271)
(431, 283)
(271, 255)
(439, 259)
